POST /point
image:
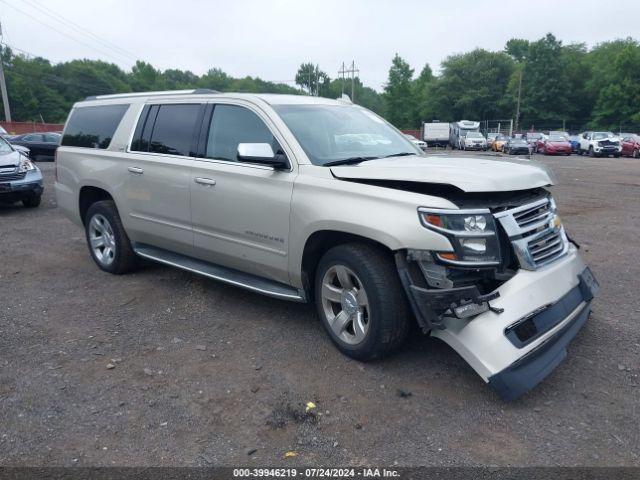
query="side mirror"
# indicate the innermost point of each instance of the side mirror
(261, 153)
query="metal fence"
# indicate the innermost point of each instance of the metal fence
(18, 128)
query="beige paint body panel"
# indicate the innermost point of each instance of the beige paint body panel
(258, 220)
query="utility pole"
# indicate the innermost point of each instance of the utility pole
(353, 79)
(353, 70)
(3, 85)
(341, 72)
(518, 103)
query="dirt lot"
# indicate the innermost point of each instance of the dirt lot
(207, 374)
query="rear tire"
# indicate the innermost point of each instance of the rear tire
(32, 201)
(108, 242)
(360, 301)
(636, 153)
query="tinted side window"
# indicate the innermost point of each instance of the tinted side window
(174, 129)
(49, 138)
(34, 137)
(93, 127)
(231, 125)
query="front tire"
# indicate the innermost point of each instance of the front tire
(108, 242)
(32, 201)
(360, 301)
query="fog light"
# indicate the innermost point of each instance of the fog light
(474, 245)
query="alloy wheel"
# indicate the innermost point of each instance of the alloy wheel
(345, 304)
(102, 239)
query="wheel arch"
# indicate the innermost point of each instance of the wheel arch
(88, 195)
(318, 243)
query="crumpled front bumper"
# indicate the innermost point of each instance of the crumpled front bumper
(487, 343)
(15, 190)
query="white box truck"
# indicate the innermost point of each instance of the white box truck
(435, 134)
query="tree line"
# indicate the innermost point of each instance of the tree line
(557, 84)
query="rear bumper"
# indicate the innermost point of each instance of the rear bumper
(485, 342)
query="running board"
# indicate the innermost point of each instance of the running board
(223, 274)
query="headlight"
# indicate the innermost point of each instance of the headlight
(25, 165)
(472, 234)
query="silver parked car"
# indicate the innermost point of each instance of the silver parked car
(316, 200)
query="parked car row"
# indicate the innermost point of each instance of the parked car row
(595, 144)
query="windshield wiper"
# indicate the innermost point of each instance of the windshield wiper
(348, 161)
(401, 154)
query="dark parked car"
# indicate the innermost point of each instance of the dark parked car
(43, 146)
(532, 138)
(20, 180)
(554, 145)
(631, 146)
(516, 146)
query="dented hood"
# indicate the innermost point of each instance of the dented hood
(470, 174)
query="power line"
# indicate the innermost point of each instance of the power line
(50, 12)
(60, 32)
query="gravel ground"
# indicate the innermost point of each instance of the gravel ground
(163, 367)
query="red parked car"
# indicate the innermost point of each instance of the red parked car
(554, 145)
(631, 146)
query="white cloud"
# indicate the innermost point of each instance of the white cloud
(271, 38)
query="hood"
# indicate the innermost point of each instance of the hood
(469, 174)
(559, 143)
(11, 159)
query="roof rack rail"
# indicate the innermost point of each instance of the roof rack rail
(197, 91)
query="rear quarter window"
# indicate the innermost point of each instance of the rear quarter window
(93, 127)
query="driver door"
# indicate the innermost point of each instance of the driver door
(240, 211)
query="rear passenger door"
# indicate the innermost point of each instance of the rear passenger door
(240, 211)
(157, 186)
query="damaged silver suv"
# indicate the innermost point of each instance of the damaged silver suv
(311, 199)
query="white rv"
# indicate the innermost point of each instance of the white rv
(458, 130)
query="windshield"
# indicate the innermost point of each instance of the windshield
(474, 135)
(5, 147)
(501, 137)
(518, 141)
(557, 138)
(330, 133)
(602, 135)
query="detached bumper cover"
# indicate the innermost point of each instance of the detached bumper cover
(531, 369)
(550, 303)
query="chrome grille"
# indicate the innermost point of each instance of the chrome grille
(535, 232)
(10, 173)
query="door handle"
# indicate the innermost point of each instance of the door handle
(136, 170)
(209, 182)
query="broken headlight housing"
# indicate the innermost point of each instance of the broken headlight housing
(472, 233)
(25, 165)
